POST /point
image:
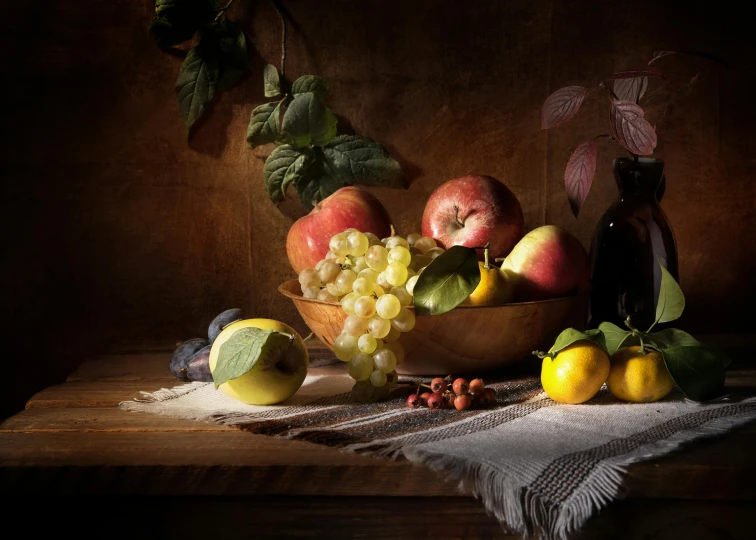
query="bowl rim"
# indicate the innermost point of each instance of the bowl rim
(284, 290)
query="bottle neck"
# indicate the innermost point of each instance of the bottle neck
(640, 179)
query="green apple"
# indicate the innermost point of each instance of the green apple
(267, 382)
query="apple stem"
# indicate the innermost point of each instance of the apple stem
(486, 264)
(316, 204)
(456, 217)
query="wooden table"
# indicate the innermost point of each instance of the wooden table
(156, 476)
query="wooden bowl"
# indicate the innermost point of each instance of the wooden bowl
(465, 339)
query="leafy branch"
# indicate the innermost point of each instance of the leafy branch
(629, 127)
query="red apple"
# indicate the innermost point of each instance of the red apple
(307, 241)
(547, 263)
(473, 211)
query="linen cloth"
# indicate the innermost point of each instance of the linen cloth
(538, 466)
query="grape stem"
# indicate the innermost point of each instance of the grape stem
(393, 230)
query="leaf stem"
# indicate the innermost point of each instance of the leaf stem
(281, 17)
(222, 11)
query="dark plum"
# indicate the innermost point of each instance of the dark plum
(221, 320)
(198, 365)
(182, 353)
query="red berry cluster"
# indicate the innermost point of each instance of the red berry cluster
(460, 395)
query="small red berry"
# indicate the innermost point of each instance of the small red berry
(438, 385)
(477, 386)
(460, 386)
(424, 397)
(489, 397)
(414, 401)
(463, 402)
(449, 400)
(436, 401)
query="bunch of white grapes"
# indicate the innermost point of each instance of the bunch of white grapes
(373, 280)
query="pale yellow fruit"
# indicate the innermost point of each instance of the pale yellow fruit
(270, 382)
(576, 373)
(637, 377)
(494, 288)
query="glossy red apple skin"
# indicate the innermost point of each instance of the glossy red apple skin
(307, 241)
(547, 263)
(473, 211)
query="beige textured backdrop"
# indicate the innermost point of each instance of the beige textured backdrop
(121, 235)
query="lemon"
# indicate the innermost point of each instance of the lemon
(266, 383)
(576, 373)
(638, 377)
(494, 288)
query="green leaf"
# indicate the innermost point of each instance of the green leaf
(447, 281)
(177, 21)
(311, 83)
(698, 371)
(570, 336)
(671, 301)
(315, 184)
(167, 34)
(308, 121)
(264, 124)
(271, 81)
(615, 337)
(357, 160)
(196, 83)
(672, 337)
(286, 164)
(234, 55)
(245, 348)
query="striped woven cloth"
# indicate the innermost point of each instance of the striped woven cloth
(538, 466)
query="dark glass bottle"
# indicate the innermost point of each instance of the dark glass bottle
(625, 275)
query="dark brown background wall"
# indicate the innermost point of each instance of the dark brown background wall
(120, 235)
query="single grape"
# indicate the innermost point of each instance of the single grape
(321, 262)
(414, 401)
(377, 258)
(392, 379)
(378, 378)
(378, 291)
(363, 391)
(181, 355)
(364, 306)
(309, 276)
(400, 254)
(327, 296)
(388, 307)
(373, 239)
(412, 238)
(349, 230)
(401, 293)
(369, 274)
(410, 272)
(438, 385)
(328, 271)
(383, 282)
(338, 245)
(363, 287)
(331, 256)
(367, 343)
(391, 337)
(463, 402)
(384, 360)
(378, 326)
(347, 303)
(476, 386)
(359, 264)
(355, 325)
(404, 321)
(396, 274)
(420, 261)
(435, 252)
(345, 347)
(198, 365)
(345, 280)
(311, 292)
(357, 244)
(425, 244)
(460, 386)
(410, 285)
(333, 289)
(435, 400)
(360, 366)
(395, 241)
(395, 347)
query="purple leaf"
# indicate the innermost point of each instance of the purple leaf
(579, 173)
(648, 71)
(630, 129)
(562, 106)
(630, 89)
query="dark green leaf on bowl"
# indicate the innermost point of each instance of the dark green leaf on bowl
(447, 281)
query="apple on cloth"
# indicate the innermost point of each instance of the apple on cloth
(307, 241)
(548, 262)
(473, 211)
